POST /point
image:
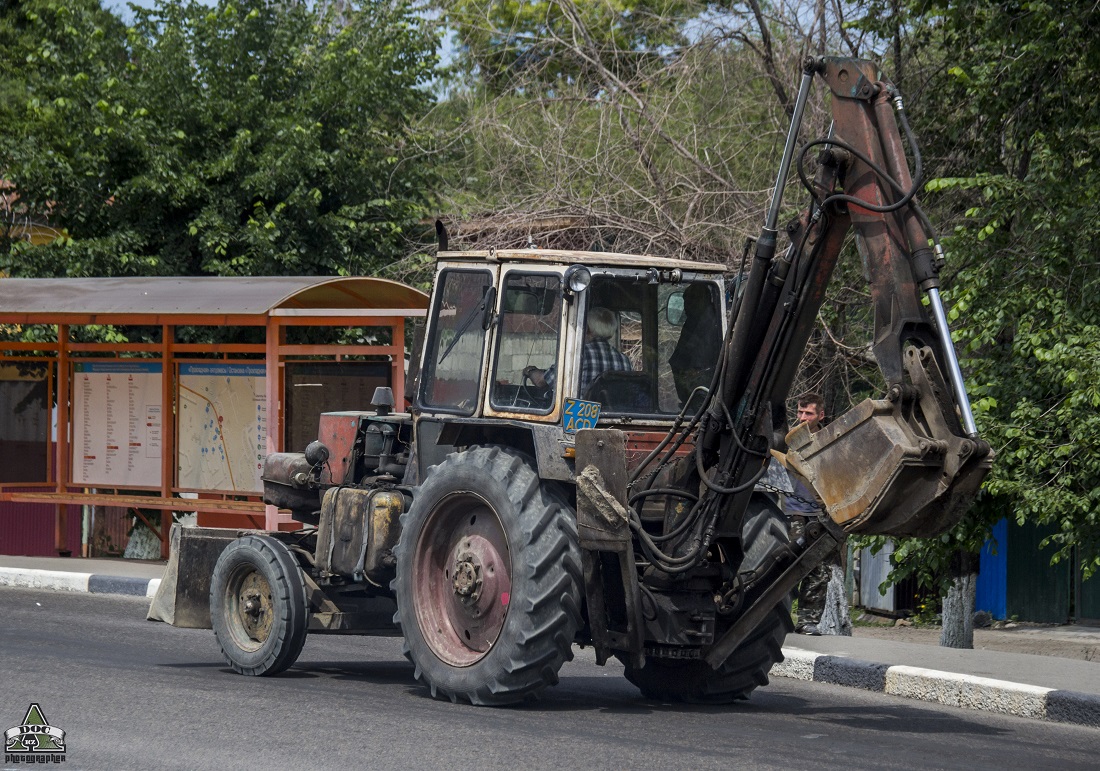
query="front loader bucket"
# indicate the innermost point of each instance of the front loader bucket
(183, 598)
(878, 472)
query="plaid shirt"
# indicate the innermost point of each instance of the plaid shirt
(597, 357)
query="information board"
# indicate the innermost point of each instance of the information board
(116, 424)
(222, 429)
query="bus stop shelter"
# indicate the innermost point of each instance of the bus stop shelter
(225, 371)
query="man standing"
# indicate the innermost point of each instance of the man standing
(801, 507)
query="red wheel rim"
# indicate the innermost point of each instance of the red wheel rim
(462, 580)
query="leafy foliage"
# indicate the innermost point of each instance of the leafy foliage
(60, 65)
(501, 41)
(251, 138)
(1013, 119)
(632, 135)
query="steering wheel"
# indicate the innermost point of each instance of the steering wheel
(534, 392)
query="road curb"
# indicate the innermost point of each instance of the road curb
(947, 688)
(63, 581)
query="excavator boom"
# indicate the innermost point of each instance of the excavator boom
(906, 464)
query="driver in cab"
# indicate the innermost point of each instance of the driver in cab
(597, 356)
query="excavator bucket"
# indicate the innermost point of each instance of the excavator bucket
(895, 466)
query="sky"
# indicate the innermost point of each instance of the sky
(122, 7)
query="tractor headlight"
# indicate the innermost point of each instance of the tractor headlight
(577, 278)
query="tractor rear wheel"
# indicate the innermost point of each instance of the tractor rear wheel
(748, 666)
(488, 579)
(258, 605)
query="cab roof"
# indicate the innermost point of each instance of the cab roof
(590, 259)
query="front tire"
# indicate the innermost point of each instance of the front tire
(747, 667)
(488, 579)
(258, 606)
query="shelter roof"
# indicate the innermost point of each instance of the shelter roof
(206, 296)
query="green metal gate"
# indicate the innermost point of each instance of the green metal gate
(1088, 597)
(1037, 590)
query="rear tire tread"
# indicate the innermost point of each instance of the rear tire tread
(747, 667)
(544, 615)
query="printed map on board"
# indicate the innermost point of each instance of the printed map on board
(222, 430)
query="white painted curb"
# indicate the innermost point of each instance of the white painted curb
(947, 688)
(64, 581)
(57, 580)
(968, 691)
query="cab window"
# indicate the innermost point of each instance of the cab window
(693, 320)
(528, 336)
(649, 347)
(452, 361)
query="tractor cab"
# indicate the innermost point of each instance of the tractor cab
(542, 343)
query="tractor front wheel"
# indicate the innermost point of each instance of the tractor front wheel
(258, 606)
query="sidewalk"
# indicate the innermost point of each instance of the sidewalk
(903, 662)
(1065, 690)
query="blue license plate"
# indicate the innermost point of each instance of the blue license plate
(579, 414)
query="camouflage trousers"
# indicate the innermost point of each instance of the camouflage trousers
(811, 592)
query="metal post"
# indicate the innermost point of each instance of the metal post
(64, 390)
(397, 366)
(169, 446)
(274, 338)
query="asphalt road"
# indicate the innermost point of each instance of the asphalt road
(134, 694)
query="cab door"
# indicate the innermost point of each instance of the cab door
(455, 351)
(527, 333)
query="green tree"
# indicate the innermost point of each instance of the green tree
(57, 61)
(502, 42)
(1011, 121)
(618, 139)
(248, 138)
